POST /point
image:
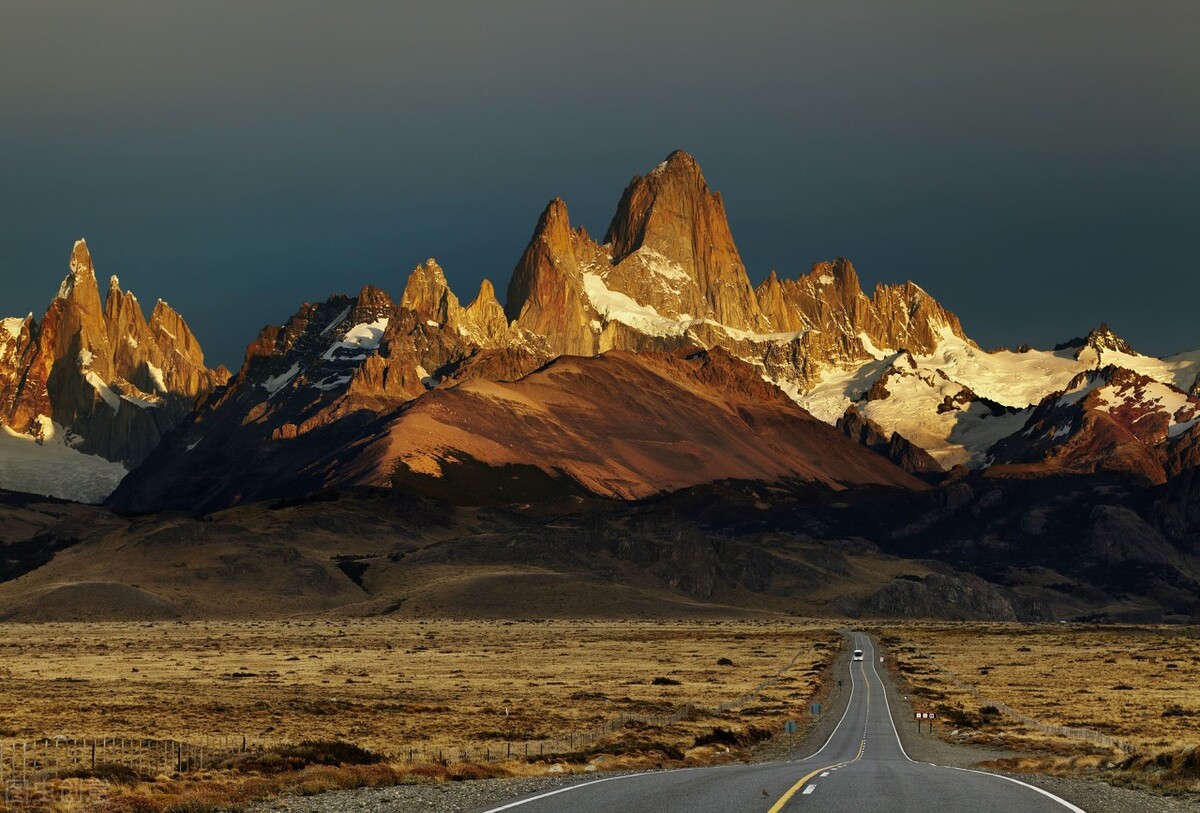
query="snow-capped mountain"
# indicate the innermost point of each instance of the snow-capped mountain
(1111, 419)
(958, 400)
(92, 387)
(895, 370)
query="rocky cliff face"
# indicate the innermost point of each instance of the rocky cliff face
(669, 275)
(113, 381)
(666, 277)
(546, 296)
(1112, 419)
(620, 425)
(670, 228)
(309, 390)
(896, 447)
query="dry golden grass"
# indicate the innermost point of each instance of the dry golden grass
(392, 686)
(1135, 684)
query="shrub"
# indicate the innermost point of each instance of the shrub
(197, 804)
(310, 752)
(130, 803)
(725, 736)
(109, 772)
(665, 681)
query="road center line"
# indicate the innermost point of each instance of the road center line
(785, 798)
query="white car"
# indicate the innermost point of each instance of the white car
(858, 654)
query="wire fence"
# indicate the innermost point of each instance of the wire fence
(39, 771)
(1071, 732)
(36, 772)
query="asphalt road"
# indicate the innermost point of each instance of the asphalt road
(861, 767)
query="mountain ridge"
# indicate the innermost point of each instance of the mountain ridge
(667, 277)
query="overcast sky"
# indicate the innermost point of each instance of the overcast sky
(1034, 166)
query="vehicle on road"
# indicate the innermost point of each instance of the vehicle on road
(858, 654)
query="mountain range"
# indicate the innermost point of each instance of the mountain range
(626, 370)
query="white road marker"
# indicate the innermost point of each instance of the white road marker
(808, 790)
(511, 805)
(826, 774)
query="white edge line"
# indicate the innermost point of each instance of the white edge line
(1062, 802)
(892, 720)
(849, 703)
(886, 702)
(510, 805)
(581, 785)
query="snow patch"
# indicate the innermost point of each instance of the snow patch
(156, 377)
(53, 468)
(86, 357)
(618, 307)
(662, 265)
(360, 340)
(103, 390)
(141, 403)
(748, 336)
(277, 382)
(870, 347)
(428, 381)
(332, 383)
(337, 321)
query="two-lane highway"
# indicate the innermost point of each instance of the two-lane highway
(862, 766)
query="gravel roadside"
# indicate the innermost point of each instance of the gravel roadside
(1092, 796)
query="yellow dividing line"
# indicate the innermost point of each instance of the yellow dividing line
(785, 798)
(862, 746)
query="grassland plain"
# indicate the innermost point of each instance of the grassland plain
(411, 690)
(1136, 684)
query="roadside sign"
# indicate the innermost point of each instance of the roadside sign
(815, 709)
(790, 726)
(925, 715)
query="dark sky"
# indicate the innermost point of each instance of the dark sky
(1035, 166)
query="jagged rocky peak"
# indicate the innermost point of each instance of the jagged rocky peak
(428, 293)
(82, 273)
(116, 382)
(484, 320)
(1102, 340)
(671, 214)
(910, 318)
(173, 333)
(545, 293)
(772, 299)
(1092, 347)
(830, 299)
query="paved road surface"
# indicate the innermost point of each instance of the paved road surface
(862, 767)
